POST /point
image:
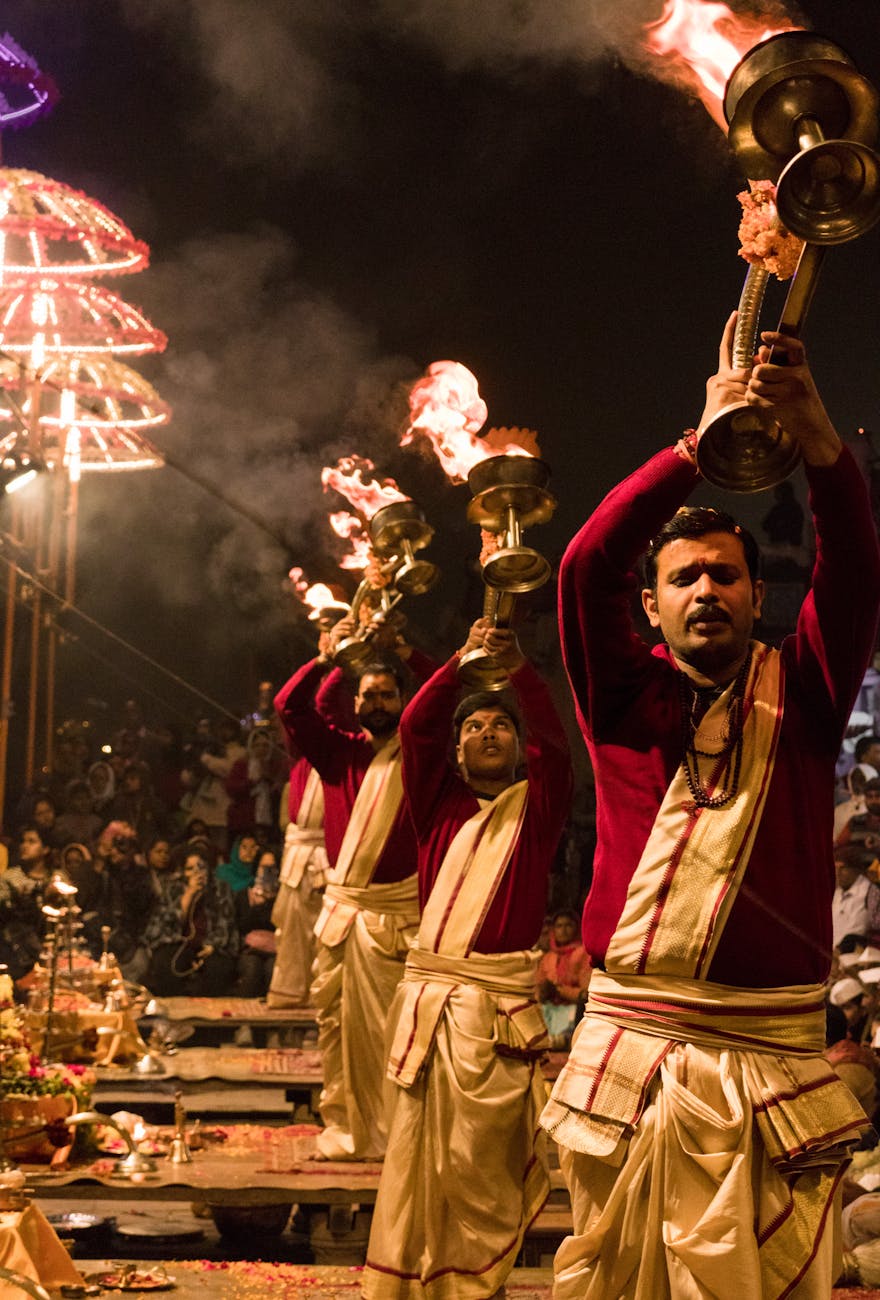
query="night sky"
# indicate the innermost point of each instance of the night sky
(333, 200)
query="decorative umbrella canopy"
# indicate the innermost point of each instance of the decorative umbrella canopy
(61, 318)
(103, 403)
(47, 228)
(26, 93)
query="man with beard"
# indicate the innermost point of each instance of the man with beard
(702, 1135)
(465, 1171)
(370, 909)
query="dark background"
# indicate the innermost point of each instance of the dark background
(334, 201)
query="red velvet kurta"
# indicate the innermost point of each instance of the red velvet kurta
(334, 702)
(299, 775)
(341, 758)
(440, 802)
(779, 930)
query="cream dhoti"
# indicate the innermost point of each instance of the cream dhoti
(363, 931)
(303, 874)
(363, 943)
(704, 1138)
(466, 1170)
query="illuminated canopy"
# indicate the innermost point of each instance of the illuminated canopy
(48, 228)
(57, 318)
(26, 93)
(108, 403)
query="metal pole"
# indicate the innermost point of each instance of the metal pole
(56, 514)
(34, 669)
(6, 678)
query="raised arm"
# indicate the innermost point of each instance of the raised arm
(320, 741)
(425, 730)
(548, 758)
(838, 620)
(604, 656)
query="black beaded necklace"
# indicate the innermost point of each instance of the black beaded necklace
(732, 737)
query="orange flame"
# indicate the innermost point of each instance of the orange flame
(445, 405)
(351, 529)
(701, 42)
(347, 478)
(315, 596)
(297, 579)
(318, 595)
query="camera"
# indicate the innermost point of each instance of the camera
(124, 843)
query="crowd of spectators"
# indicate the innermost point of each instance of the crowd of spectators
(173, 842)
(853, 1007)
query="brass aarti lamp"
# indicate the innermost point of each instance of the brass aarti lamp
(509, 494)
(354, 652)
(801, 115)
(397, 532)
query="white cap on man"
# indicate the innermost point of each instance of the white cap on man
(845, 990)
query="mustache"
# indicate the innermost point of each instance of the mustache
(706, 613)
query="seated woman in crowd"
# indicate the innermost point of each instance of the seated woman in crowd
(22, 887)
(102, 784)
(78, 823)
(191, 935)
(253, 912)
(159, 862)
(43, 818)
(240, 870)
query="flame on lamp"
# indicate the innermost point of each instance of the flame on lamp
(701, 42)
(446, 407)
(297, 579)
(347, 478)
(319, 596)
(351, 529)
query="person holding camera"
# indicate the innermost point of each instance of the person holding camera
(192, 936)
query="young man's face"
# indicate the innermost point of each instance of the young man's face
(488, 746)
(704, 602)
(872, 802)
(378, 704)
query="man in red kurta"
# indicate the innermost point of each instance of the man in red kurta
(463, 1176)
(701, 1134)
(304, 862)
(370, 907)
